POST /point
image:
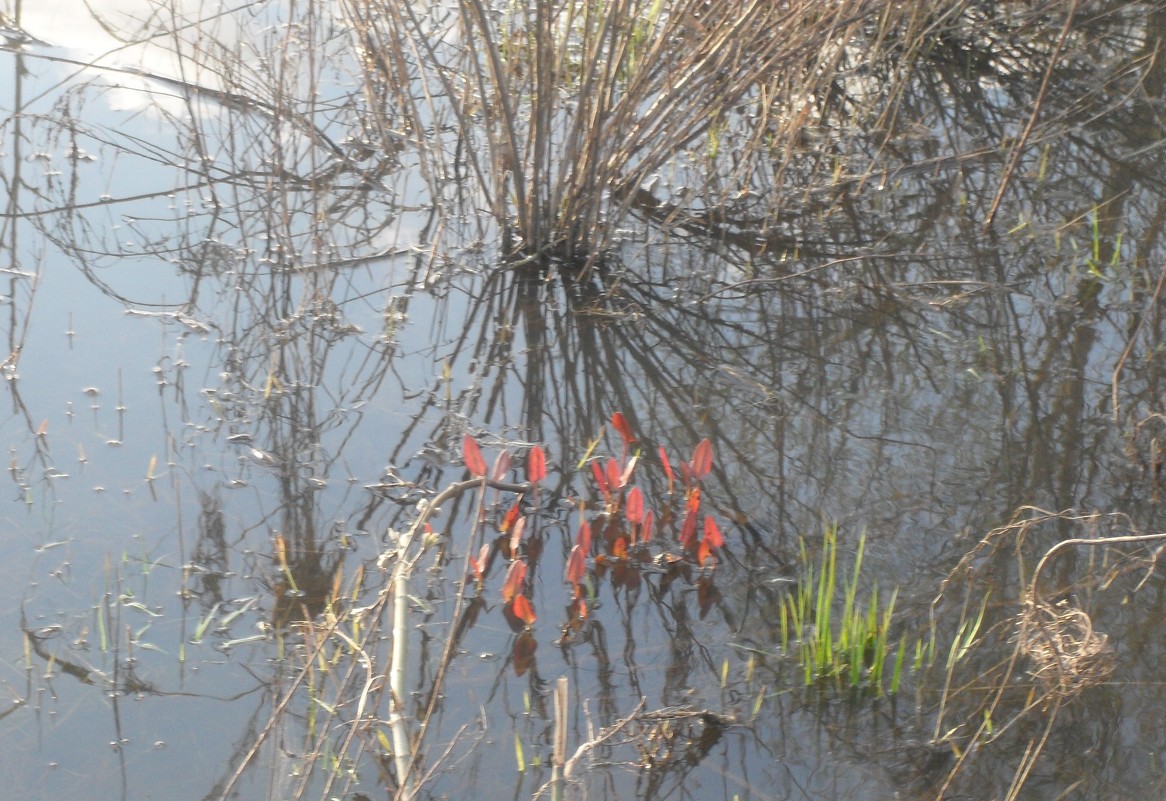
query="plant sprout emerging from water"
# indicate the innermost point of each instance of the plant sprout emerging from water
(850, 649)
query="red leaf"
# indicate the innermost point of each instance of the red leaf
(702, 460)
(649, 524)
(509, 519)
(601, 480)
(635, 506)
(473, 457)
(667, 469)
(613, 475)
(514, 578)
(692, 505)
(688, 530)
(478, 565)
(516, 536)
(712, 533)
(536, 465)
(621, 425)
(619, 548)
(523, 610)
(583, 539)
(705, 554)
(576, 566)
(501, 466)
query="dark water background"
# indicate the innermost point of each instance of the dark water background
(207, 350)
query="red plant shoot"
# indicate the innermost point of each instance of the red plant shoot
(472, 454)
(620, 423)
(619, 548)
(583, 538)
(646, 528)
(509, 519)
(704, 555)
(515, 576)
(478, 564)
(667, 469)
(576, 567)
(516, 536)
(536, 465)
(501, 466)
(712, 533)
(688, 530)
(601, 481)
(692, 505)
(523, 610)
(634, 509)
(614, 475)
(702, 460)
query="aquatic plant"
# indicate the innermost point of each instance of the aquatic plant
(847, 645)
(625, 530)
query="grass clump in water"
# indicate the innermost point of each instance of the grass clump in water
(833, 635)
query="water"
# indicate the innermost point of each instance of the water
(239, 360)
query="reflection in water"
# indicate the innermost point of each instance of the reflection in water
(843, 323)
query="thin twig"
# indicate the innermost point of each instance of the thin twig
(599, 739)
(1018, 147)
(1125, 354)
(276, 712)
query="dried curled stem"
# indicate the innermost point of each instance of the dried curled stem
(1067, 653)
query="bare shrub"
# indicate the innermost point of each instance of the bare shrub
(563, 112)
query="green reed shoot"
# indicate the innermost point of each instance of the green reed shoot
(102, 631)
(966, 635)
(519, 754)
(897, 674)
(850, 646)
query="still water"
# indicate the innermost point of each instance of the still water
(241, 345)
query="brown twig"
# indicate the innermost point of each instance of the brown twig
(1018, 147)
(1125, 354)
(603, 736)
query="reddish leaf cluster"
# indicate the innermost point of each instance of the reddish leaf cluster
(693, 472)
(627, 524)
(576, 571)
(624, 529)
(512, 527)
(513, 596)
